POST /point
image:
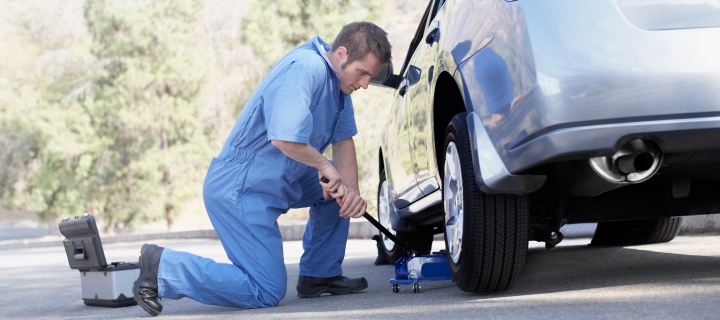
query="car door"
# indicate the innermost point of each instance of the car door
(399, 169)
(419, 103)
(399, 157)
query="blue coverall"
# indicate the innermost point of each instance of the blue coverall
(251, 183)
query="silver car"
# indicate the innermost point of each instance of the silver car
(511, 119)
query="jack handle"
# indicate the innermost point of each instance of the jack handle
(410, 251)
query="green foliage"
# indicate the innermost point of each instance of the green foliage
(146, 105)
(116, 107)
(110, 123)
(41, 138)
(274, 27)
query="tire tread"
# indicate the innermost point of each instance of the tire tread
(495, 256)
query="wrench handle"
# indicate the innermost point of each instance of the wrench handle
(382, 229)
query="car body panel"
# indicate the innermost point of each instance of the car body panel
(490, 172)
(671, 14)
(420, 109)
(470, 27)
(434, 59)
(398, 160)
(589, 66)
(553, 80)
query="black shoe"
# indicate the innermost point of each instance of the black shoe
(145, 288)
(309, 287)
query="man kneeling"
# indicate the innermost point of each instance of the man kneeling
(271, 162)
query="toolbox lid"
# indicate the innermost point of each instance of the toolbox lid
(82, 243)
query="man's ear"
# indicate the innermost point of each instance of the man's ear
(342, 52)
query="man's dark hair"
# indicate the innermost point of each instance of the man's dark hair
(359, 38)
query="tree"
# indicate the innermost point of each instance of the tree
(272, 28)
(146, 105)
(44, 145)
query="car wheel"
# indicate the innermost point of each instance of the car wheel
(642, 231)
(485, 234)
(421, 240)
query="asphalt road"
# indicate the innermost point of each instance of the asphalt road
(677, 280)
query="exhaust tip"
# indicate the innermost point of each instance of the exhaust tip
(636, 161)
(633, 163)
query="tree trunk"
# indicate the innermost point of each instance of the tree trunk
(167, 182)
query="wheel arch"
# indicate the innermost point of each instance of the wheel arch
(447, 102)
(490, 171)
(381, 161)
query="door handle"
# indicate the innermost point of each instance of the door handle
(434, 35)
(403, 90)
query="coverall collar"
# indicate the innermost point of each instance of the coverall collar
(322, 47)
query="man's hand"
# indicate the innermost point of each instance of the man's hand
(352, 205)
(331, 182)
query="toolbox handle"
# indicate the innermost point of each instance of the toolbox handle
(79, 251)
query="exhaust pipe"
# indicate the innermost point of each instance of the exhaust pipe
(635, 162)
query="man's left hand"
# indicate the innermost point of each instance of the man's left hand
(352, 205)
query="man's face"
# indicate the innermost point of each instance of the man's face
(356, 74)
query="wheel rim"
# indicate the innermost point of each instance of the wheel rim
(384, 215)
(453, 202)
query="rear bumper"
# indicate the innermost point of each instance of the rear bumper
(672, 136)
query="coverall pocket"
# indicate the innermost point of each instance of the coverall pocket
(222, 182)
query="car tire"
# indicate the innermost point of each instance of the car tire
(642, 231)
(485, 234)
(420, 240)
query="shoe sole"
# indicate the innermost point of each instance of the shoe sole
(136, 287)
(304, 292)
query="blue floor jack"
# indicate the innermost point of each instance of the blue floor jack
(414, 268)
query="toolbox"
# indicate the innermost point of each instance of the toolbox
(103, 285)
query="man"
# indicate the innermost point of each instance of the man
(271, 162)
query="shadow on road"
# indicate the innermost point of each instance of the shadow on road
(587, 267)
(550, 275)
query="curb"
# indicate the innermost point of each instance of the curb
(359, 229)
(700, 224)
(291, 231)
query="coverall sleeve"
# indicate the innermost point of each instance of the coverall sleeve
(346, 127)
(287, 109)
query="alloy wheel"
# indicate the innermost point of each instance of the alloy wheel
(453, 202)
(384, 215)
